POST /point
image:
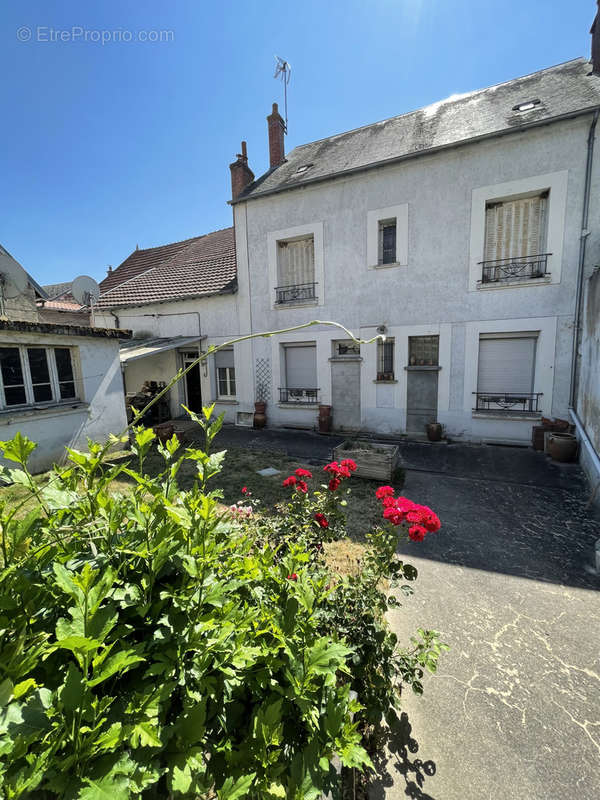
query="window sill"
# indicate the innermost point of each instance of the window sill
(394, 381)
(227, 401)
(518, 416)
(420, 367)
(313, 406)
(286, 306)
(346, 358)
(388, 266)
(7, 416)
(486, 287)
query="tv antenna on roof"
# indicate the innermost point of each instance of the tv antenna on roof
(283, 70)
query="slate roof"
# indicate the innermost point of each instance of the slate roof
(61, 298)
(564, 90)
(201, 266)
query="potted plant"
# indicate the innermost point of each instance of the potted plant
(260, 406)
(434, 431)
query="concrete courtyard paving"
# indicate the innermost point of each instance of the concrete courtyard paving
(514, 711)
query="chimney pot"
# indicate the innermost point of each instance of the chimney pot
(241, 174)
(276, 137)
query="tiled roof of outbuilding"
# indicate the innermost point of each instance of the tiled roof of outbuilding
(203, 265)
(564, 90)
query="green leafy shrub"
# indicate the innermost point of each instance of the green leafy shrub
(155, 644)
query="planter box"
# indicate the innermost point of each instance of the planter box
(376, 461)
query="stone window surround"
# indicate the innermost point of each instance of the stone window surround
(543, 327)
(273, 237)
(374, 217)
(556, 183)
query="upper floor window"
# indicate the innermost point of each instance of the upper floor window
(35, 376)
(225, 373)
(515, 239)
(385, 360)
(387, 242)
(296, 270)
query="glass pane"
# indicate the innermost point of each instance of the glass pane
(38, 365)
(232, 382)
(423, 350)
(10, 362)
(67, 390)
(63, 363)
(42, 393)
(15, 395)
(222, 381)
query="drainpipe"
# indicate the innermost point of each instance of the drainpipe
(581, 267)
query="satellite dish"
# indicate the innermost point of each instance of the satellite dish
(85, 290)
(13, 280)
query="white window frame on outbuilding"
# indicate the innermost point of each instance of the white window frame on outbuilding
(225, 374)
(54, 381)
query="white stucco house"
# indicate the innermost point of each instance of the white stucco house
(455, 230)
(60, 383)
(178, 299)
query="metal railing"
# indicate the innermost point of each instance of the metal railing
(514, 269)
(308, 396)
(295, 293)
(516, 402)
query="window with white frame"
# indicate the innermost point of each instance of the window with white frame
(300, 369)
(506, 370)
(34, 376)
(225, 373)
(385, 360)
(515, 239)
(296, 270)
(386, 249)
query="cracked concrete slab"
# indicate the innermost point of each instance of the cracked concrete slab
(514, 710)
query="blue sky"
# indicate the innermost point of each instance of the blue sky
(108, 146)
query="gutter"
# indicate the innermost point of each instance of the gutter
(581, 268)
(407, 156)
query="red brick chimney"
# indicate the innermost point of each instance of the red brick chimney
(276, 138)
(241, 174)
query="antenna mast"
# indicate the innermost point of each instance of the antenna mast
(283, 70)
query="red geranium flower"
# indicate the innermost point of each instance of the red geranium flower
(384, 491)
(331, 467)
(348, 462)
(303, 473)
(417, 533)
(291, 481)
(322, 519)
(302, 486)
(245, 490)
(334, 484)
(292, 576)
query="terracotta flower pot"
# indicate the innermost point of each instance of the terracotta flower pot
(260, 417)
(434, 431)
(325, 419)
(164, 432)
(562, 447)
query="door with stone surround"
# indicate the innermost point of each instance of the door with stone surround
(345, 386)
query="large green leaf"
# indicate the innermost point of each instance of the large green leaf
(118, 662)
(111, 787)
(231, 789)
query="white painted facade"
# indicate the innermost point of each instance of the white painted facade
(439, 202)
(213, 320)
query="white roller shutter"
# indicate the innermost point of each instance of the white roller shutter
(506, 366)
(301, 367)
(224, 358)
(515, 228)
(296, 262)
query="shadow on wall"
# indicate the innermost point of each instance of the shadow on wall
(398, 756)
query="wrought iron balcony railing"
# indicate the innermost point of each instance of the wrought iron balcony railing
(295, 293)
(308, 396)
(520, 268)
(508, 402)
